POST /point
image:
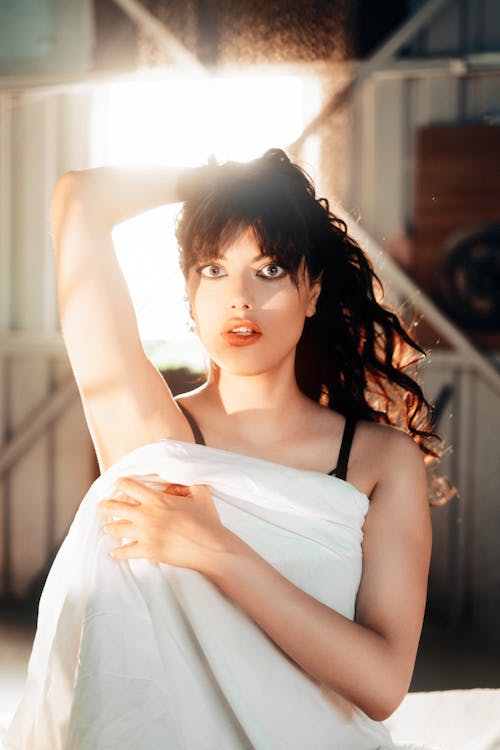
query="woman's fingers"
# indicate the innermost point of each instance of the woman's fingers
(157, 522)
(118, 529)
(128, 551)
(127, 509)
(132, 551)
(143, 493)
(134, 489)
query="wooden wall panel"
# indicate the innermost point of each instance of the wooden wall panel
(5, 208)
(3, 482)
(387, 177)
(43, 135)
(443, 99)
(361, 201)
(464, 580)
(74, 130)
(30, 211)
(485, 522)
(482, 95)
(474, 28)
(490, 26)
(386, 116)
(75, 463)
(39, 495)
(439, 605)
(443, 36)
(433, 99)
(463, 26)
(29, 385)
(457, 186)
(457, 183)
(45, 132)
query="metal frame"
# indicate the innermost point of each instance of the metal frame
(159, 30)
(26, 344)
(5, 209)
(466, 65)
(367, 68)
(405, 287)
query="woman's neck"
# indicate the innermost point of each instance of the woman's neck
(265, 406)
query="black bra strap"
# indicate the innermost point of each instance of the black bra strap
(345, 448)
(193, 423)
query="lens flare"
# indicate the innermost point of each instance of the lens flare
(158, 118)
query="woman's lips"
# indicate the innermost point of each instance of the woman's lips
(241, 339)
(236, 337)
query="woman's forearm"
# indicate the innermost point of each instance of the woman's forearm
(114, 194)
(352, 660)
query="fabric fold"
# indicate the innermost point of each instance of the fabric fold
(145, 656)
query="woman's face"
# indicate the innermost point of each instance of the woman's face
(246, 289)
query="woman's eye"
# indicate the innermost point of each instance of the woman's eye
(211, 271)
(273, 271)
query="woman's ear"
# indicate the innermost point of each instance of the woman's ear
(314, 293)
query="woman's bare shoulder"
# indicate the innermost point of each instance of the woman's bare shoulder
(383, 454)
(385, 435)
(382, 438)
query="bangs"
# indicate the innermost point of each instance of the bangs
(208, 228)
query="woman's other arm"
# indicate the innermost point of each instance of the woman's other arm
(126, 400)
(369, 661)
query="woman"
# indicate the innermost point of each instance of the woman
(306, 367)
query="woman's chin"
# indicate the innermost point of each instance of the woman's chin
(244, 363)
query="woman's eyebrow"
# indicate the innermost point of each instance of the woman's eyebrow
(257, 257)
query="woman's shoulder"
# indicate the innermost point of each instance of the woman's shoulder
(386, 436)
(382, 453)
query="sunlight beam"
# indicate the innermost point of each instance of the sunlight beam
(158, 117)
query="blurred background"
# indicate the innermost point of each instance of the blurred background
(392, 107)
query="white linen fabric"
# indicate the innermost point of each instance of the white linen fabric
(452, 719)
(143, 656)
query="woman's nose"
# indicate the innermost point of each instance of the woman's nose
(240, 295)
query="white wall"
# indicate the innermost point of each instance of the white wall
(43, 135)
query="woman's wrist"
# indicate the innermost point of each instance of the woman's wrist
(114, 194)
(218, 562)
(193, 181)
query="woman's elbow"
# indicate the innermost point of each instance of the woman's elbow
(64, 191)
(70, 196)
(380, 706)
(381, 713)
(68, 186)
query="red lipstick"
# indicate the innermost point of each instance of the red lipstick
(241, 332)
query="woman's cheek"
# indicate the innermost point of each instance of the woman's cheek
(279, 312)
(208, 327)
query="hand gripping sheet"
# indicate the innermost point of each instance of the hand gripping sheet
(139, 656)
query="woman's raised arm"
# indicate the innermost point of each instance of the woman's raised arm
(126, 400)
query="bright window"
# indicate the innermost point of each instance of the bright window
(162, 119)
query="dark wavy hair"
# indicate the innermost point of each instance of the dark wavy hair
(355, 355)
